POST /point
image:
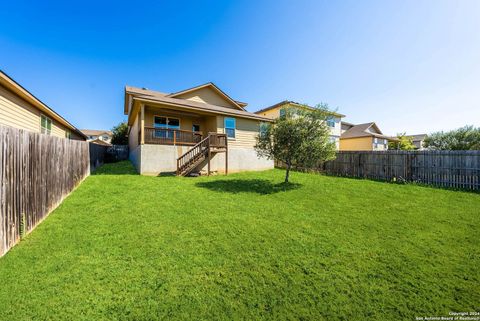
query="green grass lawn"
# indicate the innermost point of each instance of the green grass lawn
(128, 247)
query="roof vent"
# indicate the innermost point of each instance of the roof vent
(145, 88)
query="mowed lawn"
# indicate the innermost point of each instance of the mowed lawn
(128, 247)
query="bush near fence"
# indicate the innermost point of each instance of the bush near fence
(37, 172)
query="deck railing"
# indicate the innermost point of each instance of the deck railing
(202, 150)
(218, 140)
(165, 136)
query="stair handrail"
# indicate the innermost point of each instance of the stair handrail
(185, 159)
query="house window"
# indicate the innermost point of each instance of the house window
(160, 122)
(68, 134)
(46, 125)
(105, 137)
(263, 129)
(282, 113)
(196, 128)
(230, 126)
(331, 121)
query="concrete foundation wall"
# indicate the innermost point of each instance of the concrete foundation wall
(156, 159)
(134, 157)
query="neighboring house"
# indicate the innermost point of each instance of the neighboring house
(20, 109)
(277, 110)
(94, 135)
(418, 140)
(363, 137)
(194, 130)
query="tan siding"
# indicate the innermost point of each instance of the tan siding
(18, 113)
(272, 113)
(211, 124)
(208, 96)
(245, 134)
(361, 143)
(133, 136)
(57, 129)
(275, 113)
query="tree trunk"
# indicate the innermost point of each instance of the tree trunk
(287, 174)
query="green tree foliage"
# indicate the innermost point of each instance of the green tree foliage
(298, 138)
(403, 143)
(464, 138)
(120, 132)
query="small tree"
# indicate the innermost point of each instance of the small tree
(403, 143)
(301, 137)
(120, 132)
(464, 138)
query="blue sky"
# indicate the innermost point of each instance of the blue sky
(410, 66)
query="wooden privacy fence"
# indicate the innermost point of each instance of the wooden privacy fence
(100, 154)
(36, 172)
(96, 155)
(456, 169)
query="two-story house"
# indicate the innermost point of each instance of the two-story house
(366, 136)
(103, 137)
(277, 110)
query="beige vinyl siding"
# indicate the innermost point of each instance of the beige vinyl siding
(57, 129)
(208, 96)
(133, 135)
(18, 113)
(211, 125)
(246, 132)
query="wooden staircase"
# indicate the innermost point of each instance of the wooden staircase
(203, 150)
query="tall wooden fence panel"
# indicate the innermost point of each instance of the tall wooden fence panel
(455, 169)
(97, 155)
(100, 154)
(36, 172)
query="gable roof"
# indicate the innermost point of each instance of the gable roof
(215, 88)
(289, 102)
(100, 142)
(9, 83)
(362, 130)
(133, 94)
(95, 132)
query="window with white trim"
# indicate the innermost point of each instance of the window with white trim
(45, 125)
(230, 127)
(331, 121)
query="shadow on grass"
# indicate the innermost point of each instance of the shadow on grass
(259, 186)
(119, 168)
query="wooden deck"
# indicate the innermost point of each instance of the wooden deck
(164, 136)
